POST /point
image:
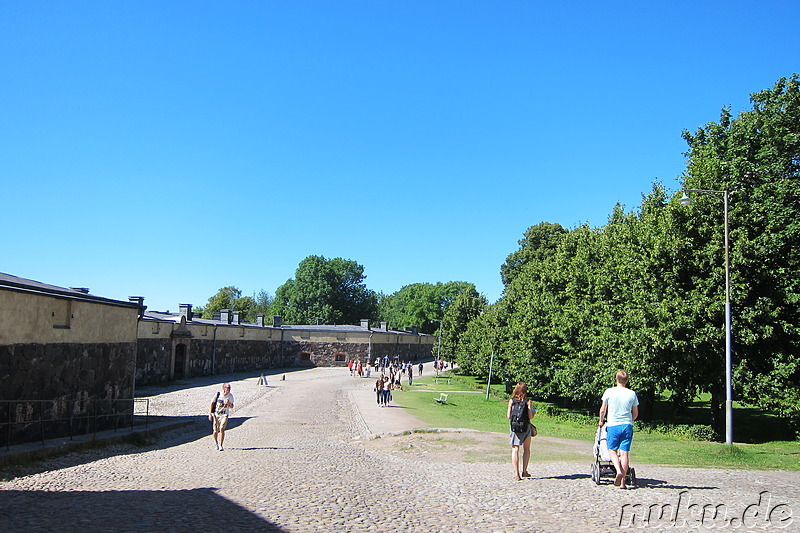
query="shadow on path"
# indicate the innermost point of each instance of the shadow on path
(146, 510)
(71, 453)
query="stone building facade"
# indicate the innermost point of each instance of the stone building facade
(177, 346)
(65, 356)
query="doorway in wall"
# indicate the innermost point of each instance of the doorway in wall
(179, 367)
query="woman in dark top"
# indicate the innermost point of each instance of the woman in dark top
(521, 438)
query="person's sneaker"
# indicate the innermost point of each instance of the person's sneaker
(221, 449)
(217, 446)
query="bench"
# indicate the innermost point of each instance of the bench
(442, 398)
(437, 378)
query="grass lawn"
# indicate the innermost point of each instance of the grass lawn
(471, 410)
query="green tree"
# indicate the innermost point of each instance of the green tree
(330, 290)
(756, 156)
(231, 298)
(422, 304)
(537, 243)
(262, 302)
(225, 298)
(246, 305)
(466, 306)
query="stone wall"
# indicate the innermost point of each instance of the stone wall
(324, 353)
(153, 358)
(67, 385)
(311, 353)
(156, 357)
(238, 356)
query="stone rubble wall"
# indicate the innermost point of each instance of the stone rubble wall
(67, 383)
(206, 356)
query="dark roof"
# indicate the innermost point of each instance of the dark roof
(9, 282)
(176, 317)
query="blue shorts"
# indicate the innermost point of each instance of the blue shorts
(620, 437)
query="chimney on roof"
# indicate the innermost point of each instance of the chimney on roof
(186, 311)
(82, 290)
(225, 315)
(236, 319)
(276, 321)
(384, 326)
(365, 323)
(319, 321)
(415, 330)
(138, 300)
(260, 321)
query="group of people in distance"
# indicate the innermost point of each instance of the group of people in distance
(618, 409)
(390, 379)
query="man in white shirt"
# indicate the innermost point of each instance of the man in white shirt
(622, 407)
(219, 415)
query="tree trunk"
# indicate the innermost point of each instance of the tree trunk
(647, 400)
(717, 416)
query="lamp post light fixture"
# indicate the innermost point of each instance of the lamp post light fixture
(685, 200)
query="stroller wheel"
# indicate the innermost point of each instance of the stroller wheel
(632, 477)
(595, 473)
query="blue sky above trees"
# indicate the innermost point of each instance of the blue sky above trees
(170, 150)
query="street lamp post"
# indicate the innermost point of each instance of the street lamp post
(685, 200)
(488, 383)
(439, 346)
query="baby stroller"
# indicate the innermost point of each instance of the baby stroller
(602, 466)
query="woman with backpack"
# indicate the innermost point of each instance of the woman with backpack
(520, 413)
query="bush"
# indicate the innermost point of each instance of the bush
(551, 410)
(697, 432)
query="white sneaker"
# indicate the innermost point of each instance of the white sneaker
(217, 445)
(221, 449)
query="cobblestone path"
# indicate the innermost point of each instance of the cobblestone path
(289, 465)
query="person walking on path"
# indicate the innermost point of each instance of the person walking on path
(379, 391)
(220, 411)
(520, 412)
(387, 391)
(621, 406)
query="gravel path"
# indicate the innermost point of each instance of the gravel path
(290, 464)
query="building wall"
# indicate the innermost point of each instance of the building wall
(44, 319)
(64, 359)
(220, 348)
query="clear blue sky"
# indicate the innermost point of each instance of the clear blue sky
(167, 149)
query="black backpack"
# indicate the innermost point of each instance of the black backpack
(519, 416)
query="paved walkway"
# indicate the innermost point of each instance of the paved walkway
(290, 465)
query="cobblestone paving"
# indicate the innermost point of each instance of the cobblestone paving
(289, 465)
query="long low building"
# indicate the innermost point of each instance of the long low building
(178, 345)
(76, 359)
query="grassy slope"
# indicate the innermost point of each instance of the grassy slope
(473, 411)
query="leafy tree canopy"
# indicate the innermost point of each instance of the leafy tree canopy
(422, 304)
(331, 290)
(231, 298)
(225, 298)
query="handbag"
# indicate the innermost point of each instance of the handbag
(533, 430)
